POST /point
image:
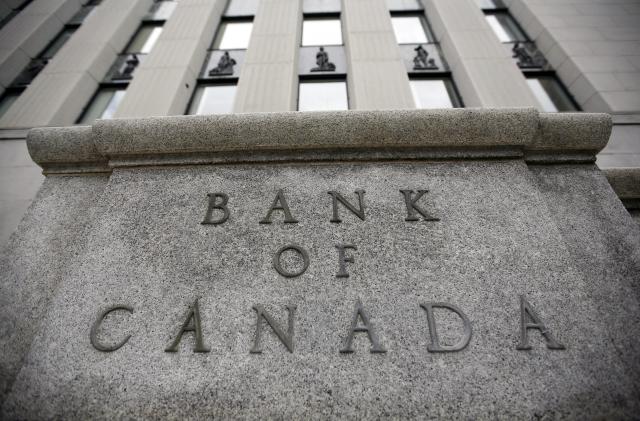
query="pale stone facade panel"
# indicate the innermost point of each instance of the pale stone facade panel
(268, 79)
(164, 81)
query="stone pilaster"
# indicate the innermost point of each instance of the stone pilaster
(268, 79)
(377, 78)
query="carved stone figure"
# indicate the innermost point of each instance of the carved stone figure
(224, 67)
(527, 58)
(322, 60)
(131, 64)
(422, 61)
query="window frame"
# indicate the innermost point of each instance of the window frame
(428, 33)
(550, 74)
(201, 82)
(217, 40)
(102, 86)
(452, 89)
(319, 17)
(324, 78)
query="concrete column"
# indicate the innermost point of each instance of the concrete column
(58, 94)
(29, 32)
(164, 81)
(482, 68)
(377, 77)
(268, 78)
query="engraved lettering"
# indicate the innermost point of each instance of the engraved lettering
(279, 203)
(222, 205)
(93, 334)
(287, 339)
(278, 266)
(527, 312)
(191, 324)
(435, 345)
(343, 259)
(360, 313)
(413, 209)
(338, 197)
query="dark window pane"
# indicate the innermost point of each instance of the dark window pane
(434, 93)
(233, 36)
(550, 94)
(322, 96)
(161, 10)
(401, 5)
(213, 99)
(103, 105)
(490, 4)
(321, 6)
(241, 8)
(144, 40)
(505, 27)
(410, 30)
(7, 101)
(57, 43)
(321, 32)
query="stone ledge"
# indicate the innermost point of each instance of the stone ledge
(624, 181)
(341, 135)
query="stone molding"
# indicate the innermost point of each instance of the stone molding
(625, 182)
(520, 133)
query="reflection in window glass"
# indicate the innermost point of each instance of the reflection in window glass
(490, 4)
(104, 105)
(144, 40)
(241, 8)
(409, 30)
(505, 27)
(400, 5)
(550, 94)
(233, 35)
(321, 6)
(322, 96)
(57, 43)
(161, 10)
(213, 99)
(321, 32)
(432, 93)
(7, 101)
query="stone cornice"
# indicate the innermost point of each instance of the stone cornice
(321, 136)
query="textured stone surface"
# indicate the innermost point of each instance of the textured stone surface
(503, 231)
(36, 259)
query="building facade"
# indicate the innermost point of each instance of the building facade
(436, 242)
(66, 62)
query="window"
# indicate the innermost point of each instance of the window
(434, 93)
(410, 30)
(144, 40)
(321, 32)
(7, 100)
(490, 4)
(233, 36)
(103, 105)
(404, 5)
(84, 12)
(161, 10)
(322, 96)
(505, 27)
(57, 43)
(213, 99)
(550, 94)
(544, 85)
(241, 8)
(321, 6)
